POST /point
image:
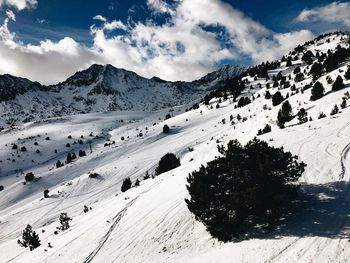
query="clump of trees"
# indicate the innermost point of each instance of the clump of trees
(29, 238)
(335, 110)
(248, 188)
(266, 129)
(243, 101)
(168, 162)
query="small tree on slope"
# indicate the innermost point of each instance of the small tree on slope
(249, 187)
(126, 185)
(29, 238)
(317, 91)
(167, 163)
(284, 114)
(64, 221)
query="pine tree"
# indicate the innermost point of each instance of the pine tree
(166, 129)
(343, 103)
(69, 158)
(126, 185)
(338, 84)
(284, 114)
(267, 95)
(59, 164)
(316, 70)
(46, 193)
(302, 116)
(277, 98)
(29, 238)
(249, 187)
(167, 163)
(64, 221)
(146, 176)
(347, 73)
(29, 177)
(335, 110)
(317, 91)
(137, 182)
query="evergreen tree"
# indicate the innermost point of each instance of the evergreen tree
(299, 77)
(347, 73)
(59, 164)
(69, 158)
(126, 185)
(248, 188)
(335, 110)
(322, 115)
(277, 98)
(330, 63)
(167, 163)
(29, 238)
(316, 70)
(317, 91)
(29, 177)
(338, 84)
(146, 176)
(267, 95)
(302, 116)
(284, 114)
(137, 182)
(166, 129)
(243, 101)
(289, 62)
(64, 221)
(343, 103)
(82, 153)
(266, 129)
(46, 193)
(296, 70)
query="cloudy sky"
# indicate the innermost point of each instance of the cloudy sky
(49, 40)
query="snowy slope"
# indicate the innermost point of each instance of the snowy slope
(151, 223)
(99, 89)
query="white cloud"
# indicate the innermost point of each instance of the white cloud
(5, 34)
(180, 49)
(19, 4)
(335, 12)
(100, 18)
(116, 24)
(11, 15)
(159, 6)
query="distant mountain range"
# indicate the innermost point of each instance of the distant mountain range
(100, 88)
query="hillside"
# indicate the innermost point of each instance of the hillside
(99, 89)
(151, 222)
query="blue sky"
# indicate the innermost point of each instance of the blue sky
(74, 18)
(140, 35)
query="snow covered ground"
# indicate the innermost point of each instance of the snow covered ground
(151, 223)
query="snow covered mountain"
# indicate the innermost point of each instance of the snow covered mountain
(151, 222)
(99, 89)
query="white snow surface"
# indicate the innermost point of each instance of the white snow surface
(151, 223)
